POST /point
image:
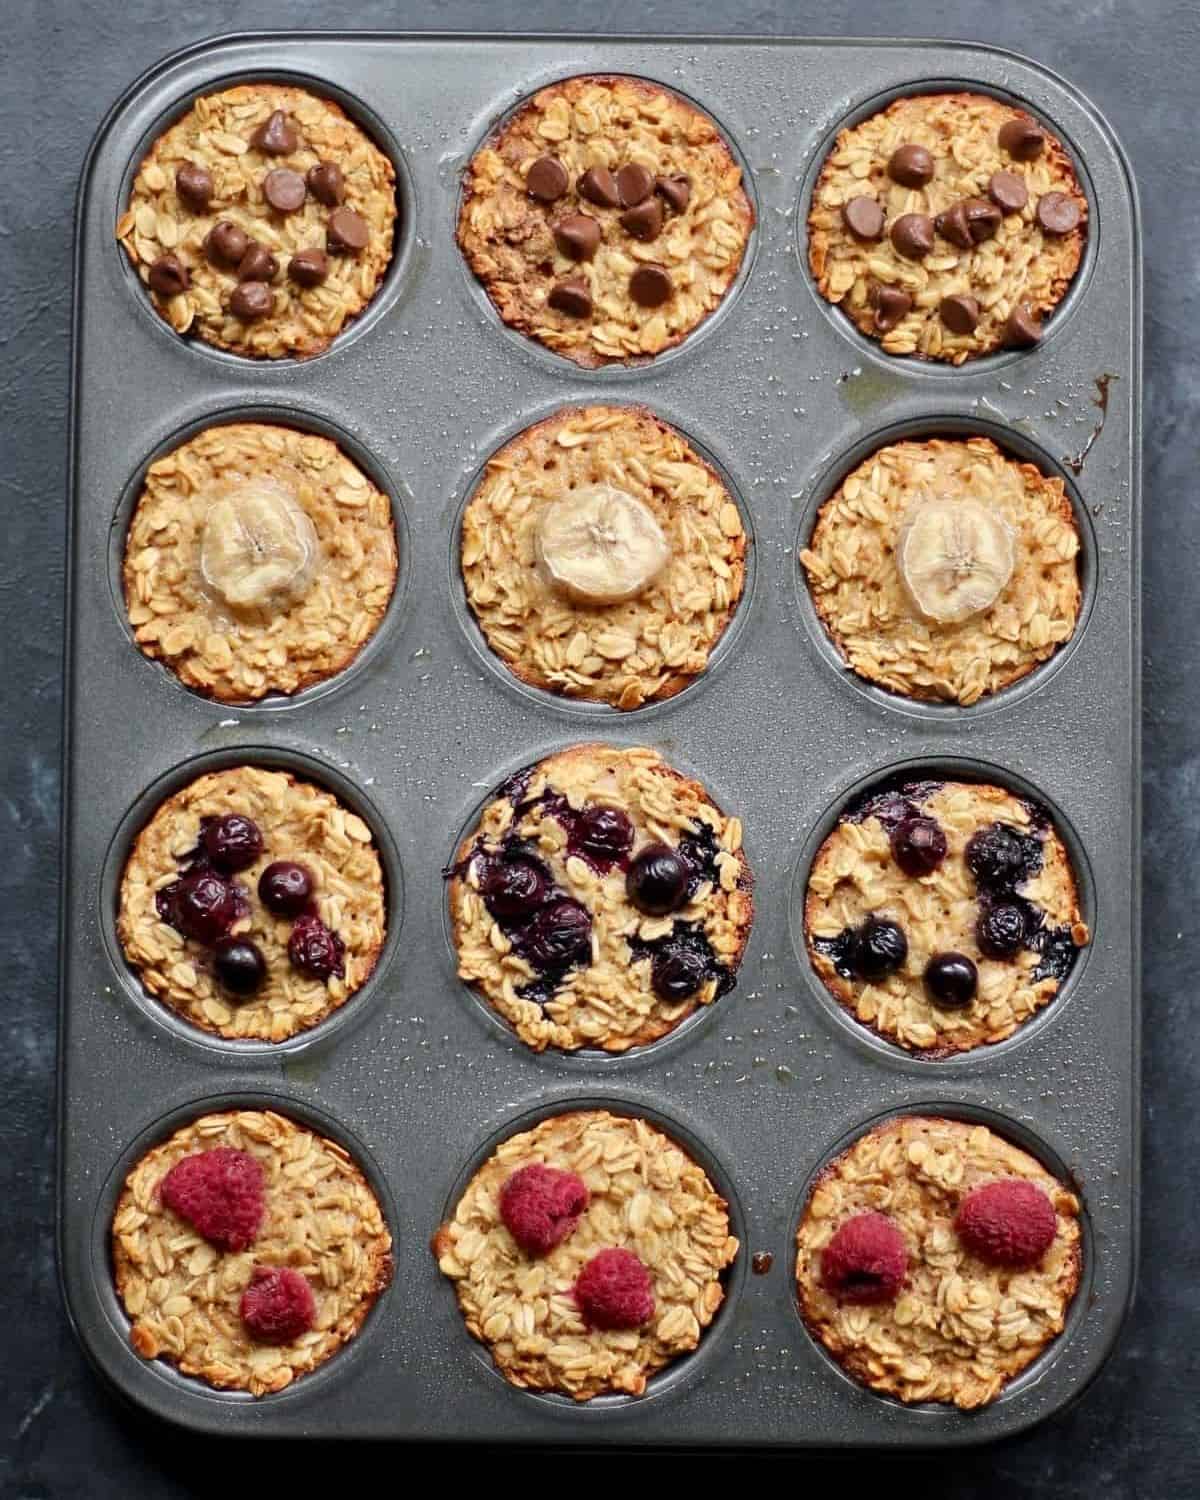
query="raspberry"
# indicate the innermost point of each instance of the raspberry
(540, 1206)
(220, 1194)
(614, 1291)
(278, 1305)
(865, 1261)
(1008, 1223)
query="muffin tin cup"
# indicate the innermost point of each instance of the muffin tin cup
(414, 1073)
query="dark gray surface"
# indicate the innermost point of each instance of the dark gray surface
(1130, 1436)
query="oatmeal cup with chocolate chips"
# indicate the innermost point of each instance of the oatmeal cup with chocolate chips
(247, 1250)
(944, 570)
(605, 218)
(262, 221)
(587, 1254)
(602, 556)
(943, 914)
(259, 560)
(253, 904)
(600, 899)
(947, 226)
(936, 1260)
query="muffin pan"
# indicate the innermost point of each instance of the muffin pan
(768, 1082)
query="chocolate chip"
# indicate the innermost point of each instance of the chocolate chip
(983, 219)
(571, 297)
(912, 236)
(1023, 327)
(347, 232)
(1021, 138)
(169, 276)
(284, 190)
(251, 300)
(952, 225)
(863, 217)
(309, 267)
(276, 135)
(676, 190)
(547, 180)
(1008, 192)
(891, 307)
(577, 236)
(226, 243)
(599, 186)
(635, 183)
(959, 313)
(644, 222)
(194, 186)
(911, 166)
(650, 286)
(1057, 213)
(326, 183)
(258, 264)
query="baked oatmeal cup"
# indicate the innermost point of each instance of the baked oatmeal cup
(600, 899)
(587, 1254)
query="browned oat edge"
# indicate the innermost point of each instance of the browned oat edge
(650, 1032)
(587, 358)
(679, 680)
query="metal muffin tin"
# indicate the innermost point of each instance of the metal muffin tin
(413, 1075)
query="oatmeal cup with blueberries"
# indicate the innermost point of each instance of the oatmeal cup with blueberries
(943, 915)
(587, 1254)
(253, 904)
(600, 899)
(605, 218)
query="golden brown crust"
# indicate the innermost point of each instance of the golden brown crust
(648, 648)
(604, 120)
(859, 593)
(239, 656)
(182, 1294)
(960, 1328)
(1020, 265)
(298, 821)
(215, 134)
(647, 1195)
(854, 875)
(610, 1003)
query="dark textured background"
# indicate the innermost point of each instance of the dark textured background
(1136, 1432)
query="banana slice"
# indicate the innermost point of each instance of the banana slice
(600, 545)
(955, 557)
(258, 548)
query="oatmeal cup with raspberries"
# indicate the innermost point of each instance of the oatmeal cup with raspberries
(936, 1260)
(944, 570)
(247, 1250)
(605, 218)
(943, 914)
(600, 899)
(602, 557)
(253, 904)
(587, 1254)
(259, 559)
(947, 226)
(261, 221)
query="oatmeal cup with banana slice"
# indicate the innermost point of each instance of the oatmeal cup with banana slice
(600, 899)
(602, 557)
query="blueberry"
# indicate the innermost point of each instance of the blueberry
(559, 935)
(879, 949)
(1000, 930)
(239, 965)
(513, 889)
(314, 949)
(232, 842)
(602, 834)
(950, 979)
(201, 905)
(285, 888)
(677, 972)
(997, 857)
(657, 882)
(918, 845)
